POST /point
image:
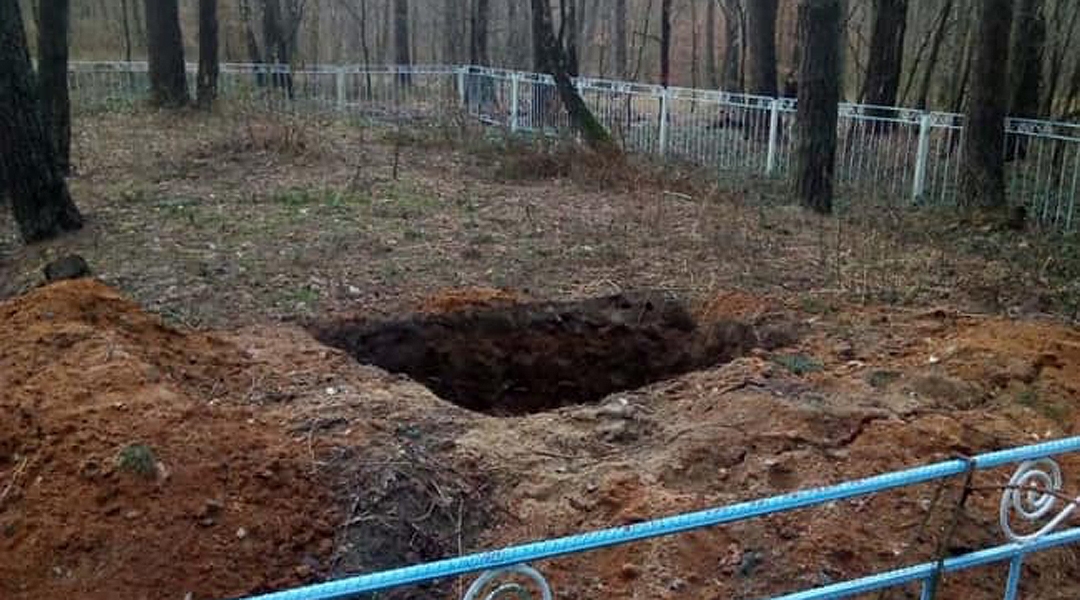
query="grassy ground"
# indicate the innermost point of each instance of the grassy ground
(241, 216)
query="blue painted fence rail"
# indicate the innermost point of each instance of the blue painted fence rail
(1036, 469)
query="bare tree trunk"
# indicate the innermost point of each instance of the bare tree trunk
(1025, 66)
(884, 64)
(127, 29)
(922, 96)
(711, 73)
(478, 46)
(29, 171)
(982, 171)
(665, 43)
(207, 78)
(53, 24)
(621, 60)
(165, 51)
(761, 47)
(819, 97)
(553, 59)
(401, 38)
(734, 42)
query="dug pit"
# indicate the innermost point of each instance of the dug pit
(532, 357)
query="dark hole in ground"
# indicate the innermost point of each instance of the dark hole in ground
(533, 357)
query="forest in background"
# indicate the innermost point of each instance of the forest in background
(711, 41)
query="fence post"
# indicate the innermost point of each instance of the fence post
(339, 86)
(664, 96)
(461, 86)
(922, 156)
(515, 79)
(774, 136)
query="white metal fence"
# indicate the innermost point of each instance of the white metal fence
(895, 154)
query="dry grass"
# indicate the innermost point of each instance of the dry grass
(241, 216)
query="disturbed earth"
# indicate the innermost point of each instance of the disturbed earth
(145, 460)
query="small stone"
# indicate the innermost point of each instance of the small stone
(630, 571)
(241, 533)
(132, 514)
(211, 509)
(677, 584)
(72, 266)
(303, 571)
(207, 522)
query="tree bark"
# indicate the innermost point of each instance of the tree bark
(819, 97)
(165, 54)
(553, 60)
(761, 47)
(886, 55)
(478, 46)
(29, 171)
(734, 43)
(208, 54)
(922, 95)
(622, 65)
(982, 171)
(711, 72)
(53, 25)
(665, 43)
(1026, 59)
(401, 38)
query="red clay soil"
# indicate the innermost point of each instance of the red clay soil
(233, 507)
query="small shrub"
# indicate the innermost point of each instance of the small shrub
(138, 459)
(798, 364)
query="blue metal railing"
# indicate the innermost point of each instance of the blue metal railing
(1034, 491)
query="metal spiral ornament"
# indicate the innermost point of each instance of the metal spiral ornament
(510, 589)
(1033, 493)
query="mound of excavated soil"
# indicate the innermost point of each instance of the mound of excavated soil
(281, 460)
(232, 506)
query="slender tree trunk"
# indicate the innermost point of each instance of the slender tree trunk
(165, 51)
(886, 56)
(819, 97)
(621, 43)
(711, 72)
(922, 96)
(208, 54)
(30, 173)
(982, 172)
(761, 47)
(478, 47)
(734, 42)
(554, 61)
(125, 21)
(53, 24)
(665, 43)
(401, 38)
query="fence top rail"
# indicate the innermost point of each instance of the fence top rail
(1065, 129)
(574, 544)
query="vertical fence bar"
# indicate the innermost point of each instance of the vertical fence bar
(515, 80)
(339, 88)
(1012, 586)
(922, 155)
(461, 87)
(663, 135)
(774, 136)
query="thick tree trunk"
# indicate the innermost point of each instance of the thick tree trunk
(819, 97)
(553, 60)
(29, 171)
(208, 54)
(982, 172)
(1026, 59)
(53, 23)
(711, 72)
(761, 47)
(165, 53)
(622, 65)
(665, 43)
(886, 56)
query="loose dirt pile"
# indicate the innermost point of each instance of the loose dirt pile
(278, 460)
